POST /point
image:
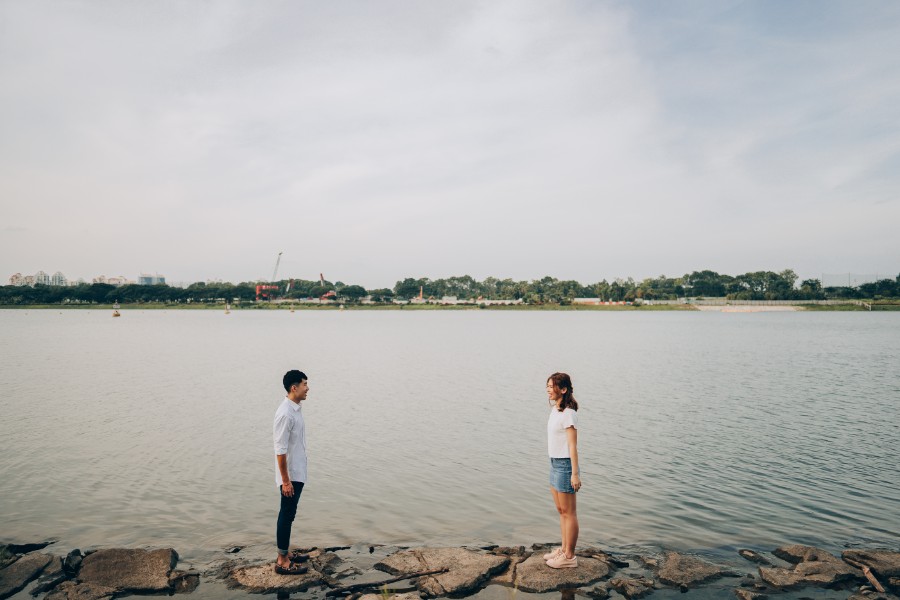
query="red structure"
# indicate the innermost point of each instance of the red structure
(265, 292)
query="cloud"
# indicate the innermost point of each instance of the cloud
(503, 138)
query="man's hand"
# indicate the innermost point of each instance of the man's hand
(287, 488)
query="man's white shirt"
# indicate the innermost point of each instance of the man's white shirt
(289, 432)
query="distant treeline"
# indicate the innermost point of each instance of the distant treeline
(760, 285)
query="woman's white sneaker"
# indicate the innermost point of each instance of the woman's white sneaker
(553, 553)
(561, 562)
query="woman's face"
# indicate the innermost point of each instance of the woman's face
(553, 392)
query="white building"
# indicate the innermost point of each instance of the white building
(118, 281)
(58, 279)
(99, 279)
(28, 280)
(147, 279)
(41, 278)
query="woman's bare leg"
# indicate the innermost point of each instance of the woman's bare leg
(557, 500)
(568, 518)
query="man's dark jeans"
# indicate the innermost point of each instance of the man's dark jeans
(286, 517)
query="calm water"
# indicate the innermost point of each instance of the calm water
(698, 430)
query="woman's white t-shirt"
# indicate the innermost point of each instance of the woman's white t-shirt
(557, 442)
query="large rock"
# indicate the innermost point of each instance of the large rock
(516, 555)
(814, 566)
(52, 575)
(184, 582)
(756, 557)
(129, 570)
(748, 595)
(686, 571)
(601, 592)
(781, 578)
(872, 596)
(798, 553)
(17, 575)
(632, 587)
(27, 548)
(535, 576)
(262, 579)
(326, 562)
(7, 557)
(70, 590)
(72, 562)
(467, 570)
(819, 573)
(883, 563)
(406, 596)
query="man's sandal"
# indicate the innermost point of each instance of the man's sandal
(296, 556)
(292, 570)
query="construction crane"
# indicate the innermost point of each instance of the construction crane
(277, 262)
(265, 292)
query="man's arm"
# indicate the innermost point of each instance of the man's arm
(281, 434)
(287, 488)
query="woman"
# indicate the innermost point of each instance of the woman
(562, 443)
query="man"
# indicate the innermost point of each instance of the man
(290, 473)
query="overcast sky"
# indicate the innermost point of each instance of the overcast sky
(372, 141)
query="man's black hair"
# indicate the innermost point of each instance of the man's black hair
(293, 376)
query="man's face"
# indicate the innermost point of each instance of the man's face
(299, 390)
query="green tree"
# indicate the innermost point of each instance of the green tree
(353, 293)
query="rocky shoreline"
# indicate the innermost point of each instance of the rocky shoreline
(374, 572)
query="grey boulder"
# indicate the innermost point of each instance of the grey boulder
(798, 553)
(533, 575)
(70, 590)
(262, 579)
(814, 566)
(883, 562)
(632, 587)
(405, 596)
(872, 596)
(52, 575)
(754, 556)
(686, 571)
(466, 569)
(129, 570)
(17, 575)
(184, 582)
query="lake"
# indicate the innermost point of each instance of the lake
(697, 430)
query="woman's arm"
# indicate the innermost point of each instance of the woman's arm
(572, 439)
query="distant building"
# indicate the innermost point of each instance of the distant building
(118, 281)
(41, 278)
(499, 302)
(99, 279)
(28, 280)
(146, 279)
(58, 279)
(590, 301)
(599, 302)
(16, 279)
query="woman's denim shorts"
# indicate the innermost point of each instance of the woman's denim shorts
(561, 475)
